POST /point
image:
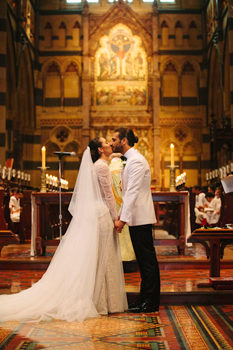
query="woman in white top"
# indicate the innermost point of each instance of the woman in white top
(85, 277)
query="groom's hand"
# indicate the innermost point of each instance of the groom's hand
(119, 225)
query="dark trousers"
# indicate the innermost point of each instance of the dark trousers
(142, 241)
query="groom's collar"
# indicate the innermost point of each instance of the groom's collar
(130, 152)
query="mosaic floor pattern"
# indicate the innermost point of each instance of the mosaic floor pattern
(13, 281)
(173, 328)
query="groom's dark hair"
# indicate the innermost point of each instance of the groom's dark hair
(129, 134)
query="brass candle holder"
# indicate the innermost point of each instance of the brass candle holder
(43, 188)
(172, 187)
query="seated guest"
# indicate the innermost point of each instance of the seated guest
(15, 210)
(211, 189)
(216, 205)
(211, 209)
(199, 206)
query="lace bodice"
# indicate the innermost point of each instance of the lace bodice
(105, 182)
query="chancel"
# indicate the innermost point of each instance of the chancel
(72, 71)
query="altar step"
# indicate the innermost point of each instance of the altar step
(42, 264)
(207, 297)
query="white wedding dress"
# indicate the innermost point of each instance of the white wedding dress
(85, 277)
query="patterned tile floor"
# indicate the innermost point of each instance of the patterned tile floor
(196, 252)
(173, 328)
(171, 281)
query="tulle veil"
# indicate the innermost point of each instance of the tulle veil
(66, 289)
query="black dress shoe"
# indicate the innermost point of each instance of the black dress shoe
(138, 302)
(145, 307)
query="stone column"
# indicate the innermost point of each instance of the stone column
(230, 36)
(86, 98)
(181, 162)
(156, 97)
(3, 40)
(199, 170)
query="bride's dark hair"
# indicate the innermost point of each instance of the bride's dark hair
(94, 145)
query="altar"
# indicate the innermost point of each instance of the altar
(177, 217)
(45, 219)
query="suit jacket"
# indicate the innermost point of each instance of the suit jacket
(137, 206)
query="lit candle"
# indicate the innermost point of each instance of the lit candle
(172, 154)
(43, 150)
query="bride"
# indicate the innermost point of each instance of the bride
(85, 277)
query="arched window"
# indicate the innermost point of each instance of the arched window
(193, 34)
(75, 33)
(179, 34)
(48, 35)
(170, 91)
(62, 35)
(165, 33)
(71, 86)
(53, 86)
(189, 86)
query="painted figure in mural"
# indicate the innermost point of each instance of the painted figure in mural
(129, 66)
(104, 66)
(113, 67)
(138, 66)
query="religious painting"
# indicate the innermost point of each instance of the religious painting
(120, 69)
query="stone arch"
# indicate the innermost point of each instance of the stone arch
(73, 146)
(179, 33)
(195, 145)
(189, 84)
(47, 63)
(193, 62)
(120, 12)
(165, 147)
(51, 147)
(170, 84)
(193, 32)
(59, 21)
(51, 83)
(69, 60)
(166, 61)
(180, 19)
(71, 83)
(169, 22)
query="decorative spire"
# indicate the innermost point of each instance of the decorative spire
(85, 7)
(155, 7)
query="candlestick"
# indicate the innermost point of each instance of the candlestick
(172, 177)
(43, 151)
(43, 188)
(172, 154)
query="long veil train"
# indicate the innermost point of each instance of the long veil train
(66, 289)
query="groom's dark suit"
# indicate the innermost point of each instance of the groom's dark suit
(138, 212)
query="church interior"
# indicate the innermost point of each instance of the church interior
(73, 70)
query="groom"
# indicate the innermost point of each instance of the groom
(138, 212)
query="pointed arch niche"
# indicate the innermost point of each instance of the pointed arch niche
(120, 70)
